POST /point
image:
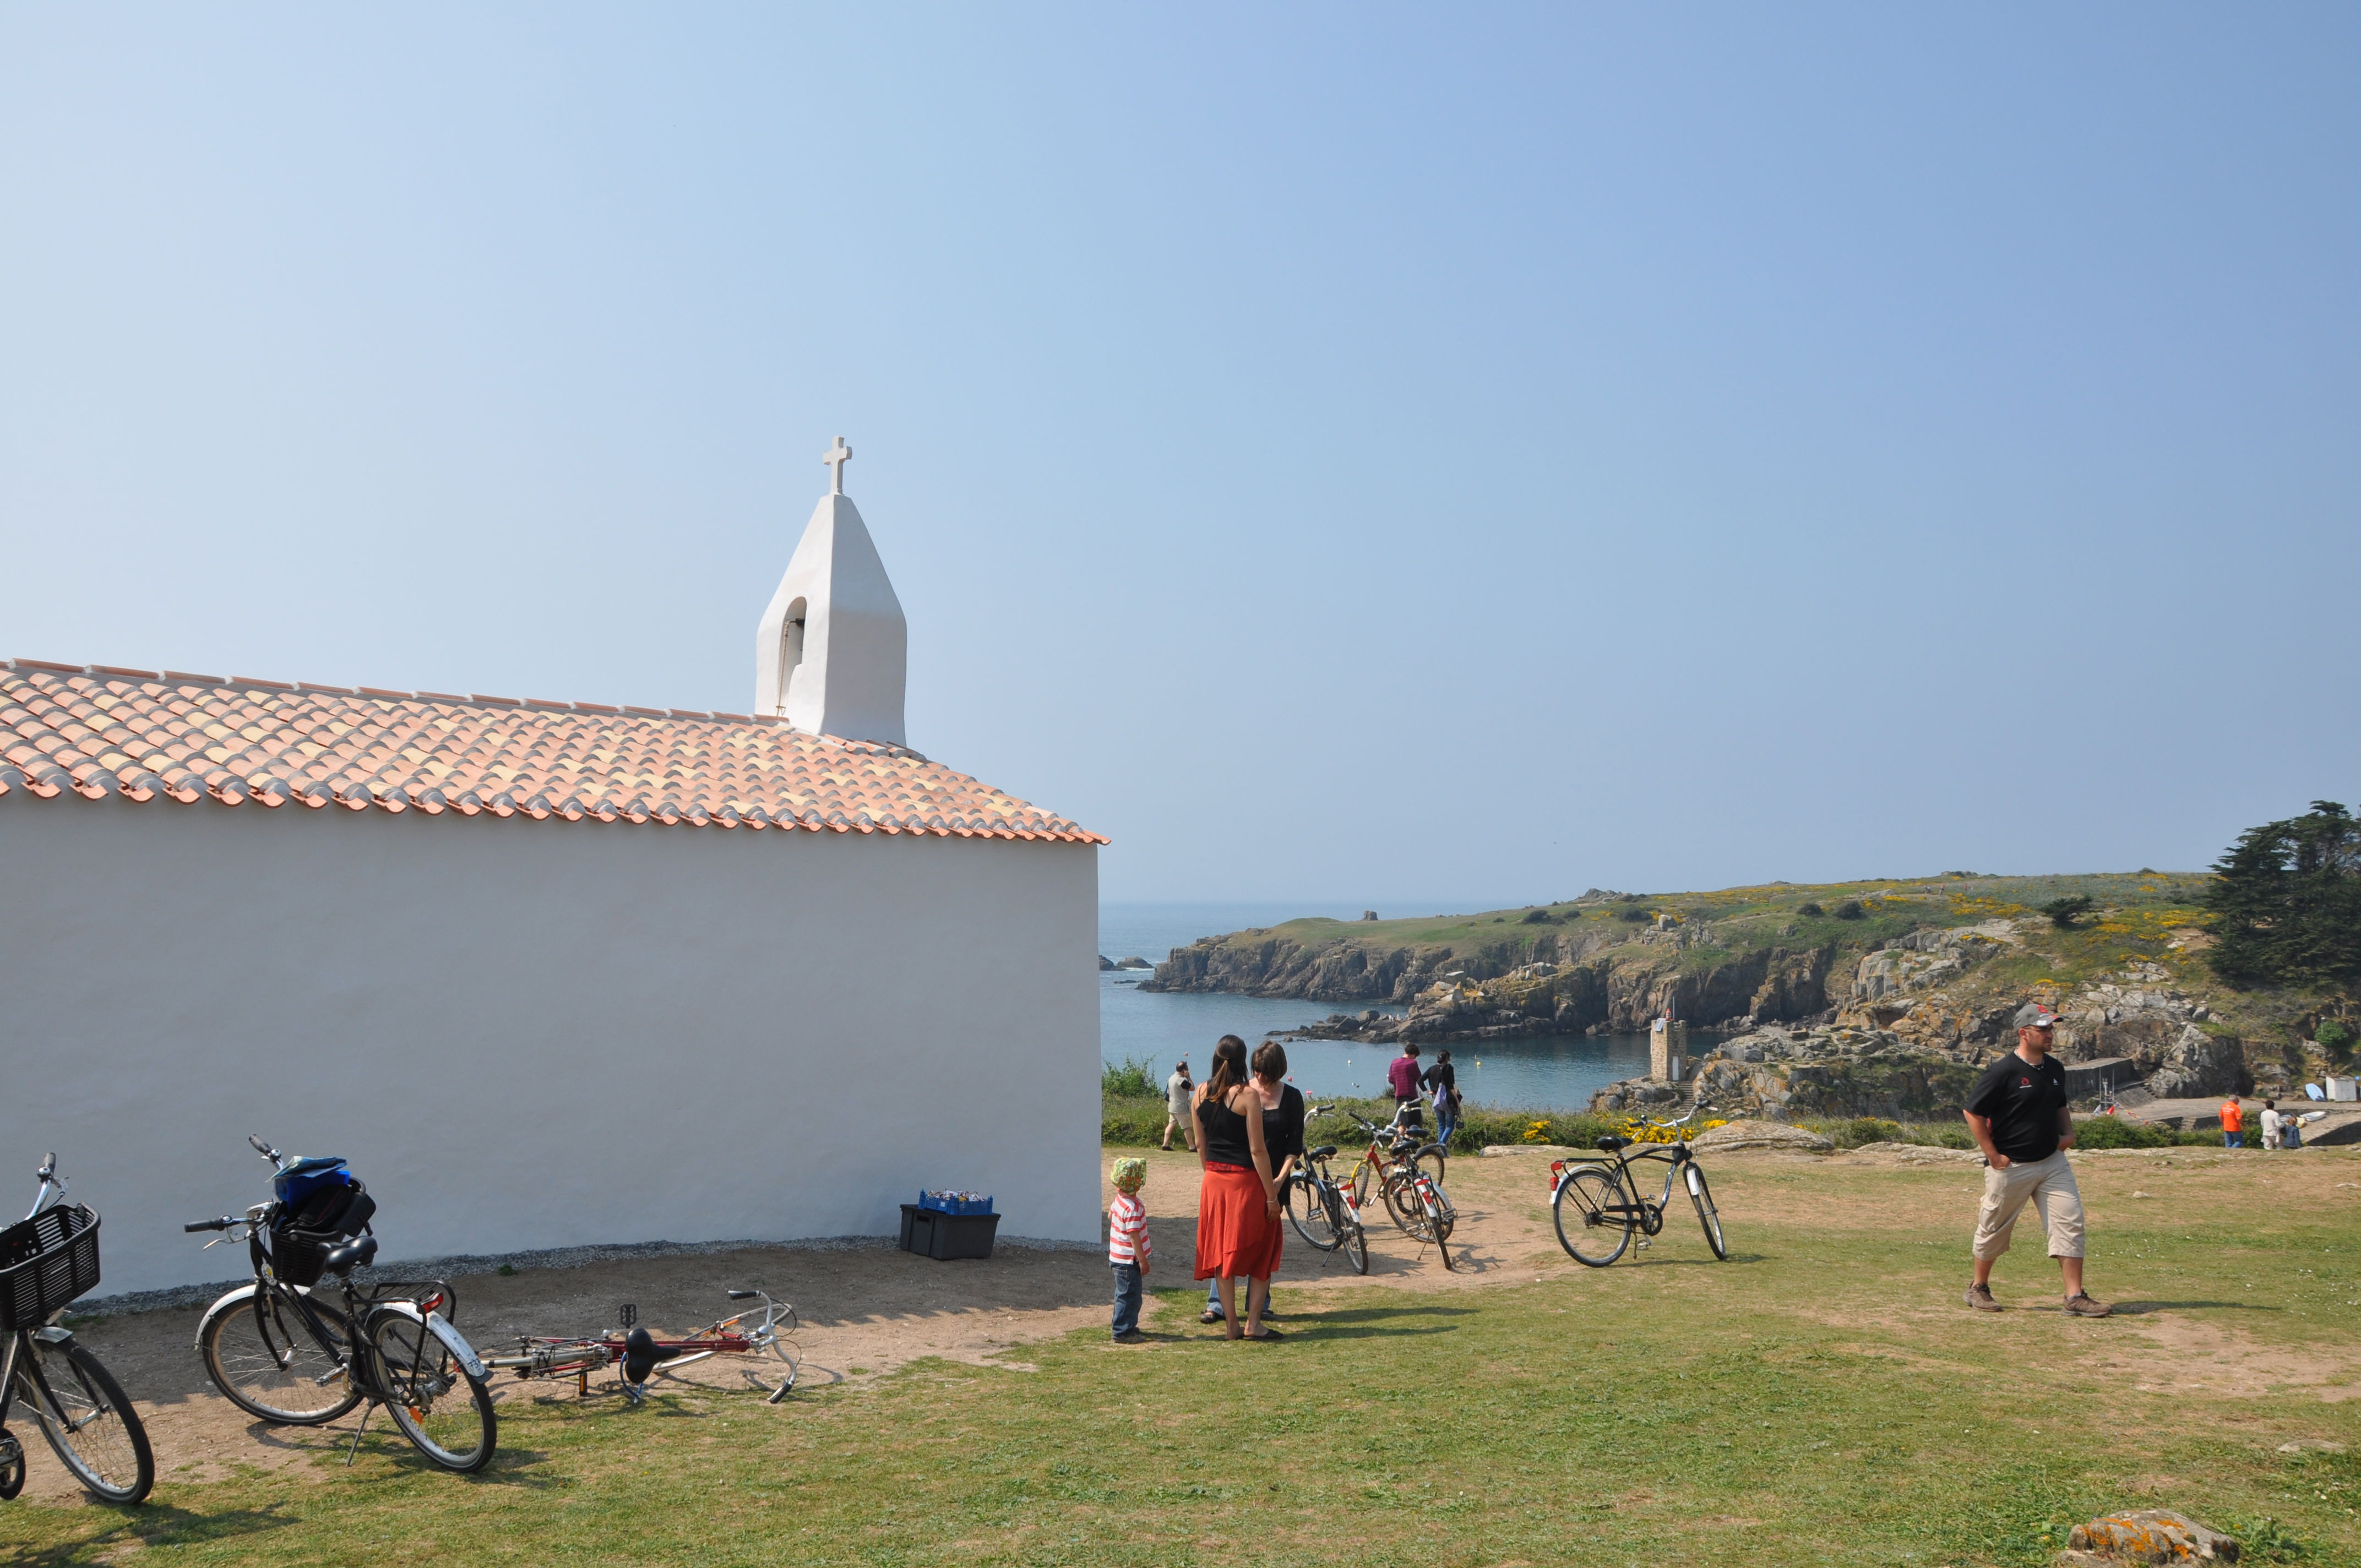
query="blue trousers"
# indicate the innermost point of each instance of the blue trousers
(1127, 1295)
(2233, 1140)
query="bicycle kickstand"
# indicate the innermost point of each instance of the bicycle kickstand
(367, 1411)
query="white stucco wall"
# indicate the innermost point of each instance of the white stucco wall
(540, 1034)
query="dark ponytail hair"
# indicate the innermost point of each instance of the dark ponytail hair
(1229, 1070)
(1270, 1061)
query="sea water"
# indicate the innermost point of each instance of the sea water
(1553, 1072)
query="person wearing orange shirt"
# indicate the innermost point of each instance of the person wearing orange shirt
(2233, 1124)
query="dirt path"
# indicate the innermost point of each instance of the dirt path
(869, 1310)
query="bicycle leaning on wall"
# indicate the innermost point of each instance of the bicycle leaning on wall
(1598, 1205)
(283, 1351)
(46, 1259)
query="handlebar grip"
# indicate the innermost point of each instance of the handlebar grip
(223, 1223)
(743, 1295)
(265, 1150)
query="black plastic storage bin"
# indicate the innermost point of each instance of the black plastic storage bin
(930, 1233)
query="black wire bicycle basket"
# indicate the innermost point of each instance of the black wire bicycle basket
(45, 1263)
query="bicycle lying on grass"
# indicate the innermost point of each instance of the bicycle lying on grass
(46, 1259)
(639, 1353)
(1324, 1211)
(1599, 1206)
(286, 1354)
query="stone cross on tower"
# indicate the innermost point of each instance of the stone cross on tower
(835, 458)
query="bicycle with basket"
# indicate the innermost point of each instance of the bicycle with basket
(288, 1353)
(47, 1260)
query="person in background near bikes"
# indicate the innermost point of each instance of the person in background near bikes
(1239, 1200)
(2233, 1124)
(1128, 1247)
(1282, 1135)
(2017, 1114)
(1177, 1091)
(1441, 1080)
(1402, 1074)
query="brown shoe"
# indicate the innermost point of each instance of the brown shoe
(2081, 1305)
(1979, 1297)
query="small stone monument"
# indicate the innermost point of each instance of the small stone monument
(1668, 1050)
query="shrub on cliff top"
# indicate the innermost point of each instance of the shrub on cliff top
(1849, 909)
(1810, 911)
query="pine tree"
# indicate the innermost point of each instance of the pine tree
(2286, 903)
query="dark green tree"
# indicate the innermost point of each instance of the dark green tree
(2064, 912)
(2286, 903)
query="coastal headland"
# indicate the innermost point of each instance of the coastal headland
(1868, 998)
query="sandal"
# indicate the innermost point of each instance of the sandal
(1267, 1334)
(1210, 1317)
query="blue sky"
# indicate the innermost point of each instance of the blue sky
(1346, 455)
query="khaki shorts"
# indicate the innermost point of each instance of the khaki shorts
(2050, 1185)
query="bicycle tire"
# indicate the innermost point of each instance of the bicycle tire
(1708, 1216)
(1444, 1213)
(12, 1466)
(1587, 1227)
(265, 1361)
(100, 1437)
(1355, 1240)
(1408, 1209)
(1308, 1209)
(446, 1413)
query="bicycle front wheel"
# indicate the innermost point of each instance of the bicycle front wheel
(1355, 1242)
(445, 1414)
(1308, 1206)
(1441, 1216)
(1594, 1223)
(269, 1363)
(88, 1422)
(1707, 1215)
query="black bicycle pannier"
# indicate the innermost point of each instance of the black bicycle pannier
(302, 1237)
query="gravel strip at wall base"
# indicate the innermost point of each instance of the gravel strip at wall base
(548, 1258)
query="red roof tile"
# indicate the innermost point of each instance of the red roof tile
(187, 738)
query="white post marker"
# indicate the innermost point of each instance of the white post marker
(836, 458)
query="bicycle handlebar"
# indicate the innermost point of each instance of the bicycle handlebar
(265, 1150)
(743, 1295)
(225, 1223)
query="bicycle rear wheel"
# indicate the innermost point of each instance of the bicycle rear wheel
(89, 1423)
(445, 1414)
(1707, 1215)
(268, 1362)
(1403, 1202)
(1308, 1209)
(1594, 1223)
(12, 1464)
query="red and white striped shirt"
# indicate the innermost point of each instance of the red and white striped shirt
(1127, 1239)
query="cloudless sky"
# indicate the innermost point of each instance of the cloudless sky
(1426, 457)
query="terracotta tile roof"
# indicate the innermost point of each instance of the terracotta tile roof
(147, 736)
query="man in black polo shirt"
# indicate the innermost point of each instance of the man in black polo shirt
(2017, 1113)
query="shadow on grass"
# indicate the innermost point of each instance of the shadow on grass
(155, 1524)
(2140, 1309)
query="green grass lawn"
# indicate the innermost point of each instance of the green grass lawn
(1819, 1398)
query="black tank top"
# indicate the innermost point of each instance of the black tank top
(1222, 1134)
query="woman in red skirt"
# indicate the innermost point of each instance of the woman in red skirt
(1237, 1204)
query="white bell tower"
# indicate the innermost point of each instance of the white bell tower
(831, 655)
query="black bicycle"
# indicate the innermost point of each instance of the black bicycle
(1598, 1205)
(46, 1259)
(1323, 1210)
(282, 1351)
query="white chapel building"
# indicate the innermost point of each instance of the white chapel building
(548, 973)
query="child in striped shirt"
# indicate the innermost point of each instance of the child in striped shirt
(1128, 1247)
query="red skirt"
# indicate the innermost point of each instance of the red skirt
(1235, 1234)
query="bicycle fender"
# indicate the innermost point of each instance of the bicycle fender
(453, 1340)
(229, 1302)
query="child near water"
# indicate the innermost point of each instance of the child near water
(1128, 1247)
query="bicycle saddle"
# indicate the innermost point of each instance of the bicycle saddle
(351, 1256)
(1325, 1151)
(641, 1354)
(1610, 1143)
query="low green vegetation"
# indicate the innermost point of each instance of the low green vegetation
(1821, 1398)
